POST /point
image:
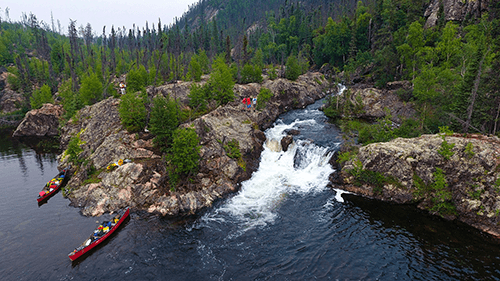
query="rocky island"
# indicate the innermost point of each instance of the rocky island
(142, 183)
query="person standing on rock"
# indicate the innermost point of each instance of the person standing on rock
(246, 103)
(254, 101)
(122, 88)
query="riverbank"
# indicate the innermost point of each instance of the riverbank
(449, 175)
(142, 184)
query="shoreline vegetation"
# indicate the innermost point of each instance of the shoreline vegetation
(419, 74)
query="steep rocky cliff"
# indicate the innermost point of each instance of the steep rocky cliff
(454, 10)
(142, 183)
(456, 177)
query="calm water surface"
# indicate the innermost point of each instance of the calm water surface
(284, 224)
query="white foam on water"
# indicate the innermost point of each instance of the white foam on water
(276, 179)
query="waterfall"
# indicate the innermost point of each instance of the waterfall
(302, 169)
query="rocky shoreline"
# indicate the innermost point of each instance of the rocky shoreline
(142, 184)
(462, 184)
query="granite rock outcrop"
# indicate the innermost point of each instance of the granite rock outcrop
(142, 183)
(454, 176)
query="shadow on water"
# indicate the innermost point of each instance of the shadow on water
(457, 249)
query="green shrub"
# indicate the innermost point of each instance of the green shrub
(221, 82)
(438, 191)
(70, 100)
(446, 149)
(442, 195)
(293, 68)
(164, 120)
(41, 96)
(92, 175)
(90, 89)
(273, 74)
(251, 74)
(264, 96)
(74, 149)
(375, 179)
(194, 69)
(137, 79)
(184, 154)
(346, 156)
(132, 112)
(199, 97)
(233, 149)
(469, 150)
(13, 78)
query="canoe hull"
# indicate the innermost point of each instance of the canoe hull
(46, 196)
(75, 255)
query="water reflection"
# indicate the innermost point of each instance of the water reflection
(441, 247)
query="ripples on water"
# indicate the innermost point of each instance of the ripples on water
(284, 224)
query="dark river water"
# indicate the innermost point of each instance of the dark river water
(285, 223)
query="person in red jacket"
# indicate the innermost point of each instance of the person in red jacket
(247, 102)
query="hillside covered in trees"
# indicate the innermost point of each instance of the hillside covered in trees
(452, 63)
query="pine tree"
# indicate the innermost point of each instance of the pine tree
(41, 96)
(164, 120)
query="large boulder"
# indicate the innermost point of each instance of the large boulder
(407, 171)
(43, 122)
(372, 103)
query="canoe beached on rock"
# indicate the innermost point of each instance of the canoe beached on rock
(53, 186)
(102, 232)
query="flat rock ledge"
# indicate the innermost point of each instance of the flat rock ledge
(142, 184)
(409, 166)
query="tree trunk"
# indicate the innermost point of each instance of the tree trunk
(470, 109)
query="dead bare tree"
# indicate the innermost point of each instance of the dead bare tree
(475, 89)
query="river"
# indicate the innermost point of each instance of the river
(285, 223)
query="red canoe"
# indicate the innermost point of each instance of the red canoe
(96, 239)
(53, 185)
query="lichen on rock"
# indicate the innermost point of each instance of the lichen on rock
(143, 184)
(469, 190)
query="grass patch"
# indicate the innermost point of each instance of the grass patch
(375, 179)
(233, 151)
(92, 175)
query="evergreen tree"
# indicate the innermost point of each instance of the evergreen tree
(184, 154)
(164, 120)
(198, 97)
(137, 79)
(132, 112)
(194, 72)
(90, 89)
(41, 96)
(292, 71)
(221, 82)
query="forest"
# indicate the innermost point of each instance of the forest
(453, 66)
